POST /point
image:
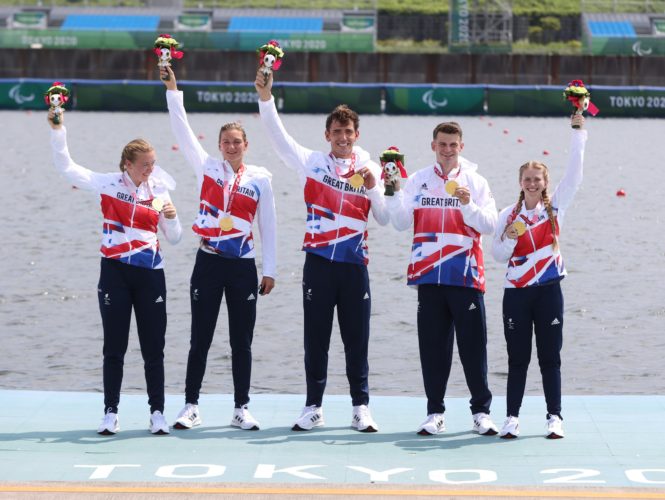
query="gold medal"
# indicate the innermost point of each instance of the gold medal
(520, 227)
(356, 181)
(158, 204)
(451, 186)
(226, 223)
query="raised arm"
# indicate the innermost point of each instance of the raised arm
(572, 177)
(194, 153)
(291, 153)
(79, 176)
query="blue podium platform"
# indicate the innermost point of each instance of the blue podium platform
(612, 442)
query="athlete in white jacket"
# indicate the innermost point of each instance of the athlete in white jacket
(340, 190)
(232, 195)
(450, 206)
(135, 201)
(527, 239)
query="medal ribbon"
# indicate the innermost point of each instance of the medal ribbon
(129, 183)
(439, 172)
(352, 168)
(531, 221)
(234, 188)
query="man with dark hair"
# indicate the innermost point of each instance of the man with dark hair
(340, 190)
(448, 128)
(450, 206)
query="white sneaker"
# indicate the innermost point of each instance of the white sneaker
(510, 429)
(109, 425)
(483, 425)
(243, 418)
(554, 427)
(158, 423)
(433, 424)
(362, 420)
(188, 417)
(311, 416)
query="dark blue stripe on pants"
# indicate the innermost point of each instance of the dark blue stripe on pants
(325, 285)
(525, 310)
(123, 287)
(214, 276)
(442, 311)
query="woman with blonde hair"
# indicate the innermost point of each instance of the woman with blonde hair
(527, 238)
(134, 201)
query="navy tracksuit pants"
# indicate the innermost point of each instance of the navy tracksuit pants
(213, 276)
(527, 310)
(327, 285)
(442, 312)
(123, 287)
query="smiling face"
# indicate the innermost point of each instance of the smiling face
(232, 145)
(447, 148)
(342, 137)
(55, 99)
(141, 166)
(534, 179)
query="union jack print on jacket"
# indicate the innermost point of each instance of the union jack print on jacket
(337, 213)
(129, 231)
(531, 259)
(254, 197)
(446, 247)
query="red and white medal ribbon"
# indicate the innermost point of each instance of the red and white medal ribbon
(356, 180)
(226, 223)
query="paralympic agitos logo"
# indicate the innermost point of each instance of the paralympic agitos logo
(637, 48)
(15, 94)
(432, 103)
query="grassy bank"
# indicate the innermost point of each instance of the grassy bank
(426, 7)
(572, 48)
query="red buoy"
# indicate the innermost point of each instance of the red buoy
(546, 152)
(621, 192)
(505, 130)
(520, 140)
(201, 136)
(175, 147)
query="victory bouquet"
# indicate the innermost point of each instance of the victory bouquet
(166, 48)
(392, 167)
(270, 57)
(580, 96)
(56, 97)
